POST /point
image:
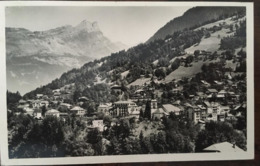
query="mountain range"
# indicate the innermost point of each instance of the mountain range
(160, 61)
(35, 58)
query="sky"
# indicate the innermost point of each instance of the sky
(129, 25)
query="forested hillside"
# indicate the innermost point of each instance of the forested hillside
(195, 17)
(179, 94)
(155, 59)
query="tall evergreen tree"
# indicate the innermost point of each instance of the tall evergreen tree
(147, 112)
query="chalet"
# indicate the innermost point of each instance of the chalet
(98, 124)
(222, 92)
(230, 117)
(223, 147)
(225, 109)
(205, 83)
(69, 106)
(44, 103)
(22, 102)
(23, 106)
(221, 117)
(56, 91)
(135, 112)
(105, 108)
(212, 117)
(117, 89)
(232, 96)
(177, 103)
(36, 103)
(191, 96)
(220, 96)
(52, 112)
(168, 108)
(39, 96)
(212, 91)
(56, 94)
(203, 52)
(201, 95)
(29, 111)
(218, 82)
(83, 99)
(37, 114)
(211, 107)
(139, 92)
(153, 104)
(45, 97)
(78, 111)
(176, 91)
(158, 114)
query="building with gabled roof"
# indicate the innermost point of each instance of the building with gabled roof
(83, 99)
(222, 92)
(39, 96)
(78, 111)
(52, 112)
(158, 114)
(105, 108)
(21, 102)
(37, 113)
(168, 108)
(205, 83)
(212, 91)
(223, 147)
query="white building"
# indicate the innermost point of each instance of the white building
(168, 108)
(52, 112)
(98, 124)
(78, 111)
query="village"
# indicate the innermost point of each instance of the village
(219, 101)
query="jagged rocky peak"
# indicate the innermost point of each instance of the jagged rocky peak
(88, 26)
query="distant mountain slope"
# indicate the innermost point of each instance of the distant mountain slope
(159, 62)
(193, 18)
(36, 58)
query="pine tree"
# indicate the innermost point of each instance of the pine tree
(141, 115)
(147, 112)
(44, 110)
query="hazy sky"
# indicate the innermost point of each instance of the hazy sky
(130, 25)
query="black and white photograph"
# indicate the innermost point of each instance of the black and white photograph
(117, 82)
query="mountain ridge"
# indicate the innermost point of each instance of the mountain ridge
(194, 17)
(61, 48)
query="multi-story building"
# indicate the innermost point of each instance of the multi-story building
(123, 108)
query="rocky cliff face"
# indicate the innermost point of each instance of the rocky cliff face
(35, 58)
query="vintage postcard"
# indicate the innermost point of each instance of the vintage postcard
(114, 82)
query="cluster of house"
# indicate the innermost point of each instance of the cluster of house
(207, 111)
(34, 107)
(211, 108)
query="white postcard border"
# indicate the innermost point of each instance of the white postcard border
(130, 158)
